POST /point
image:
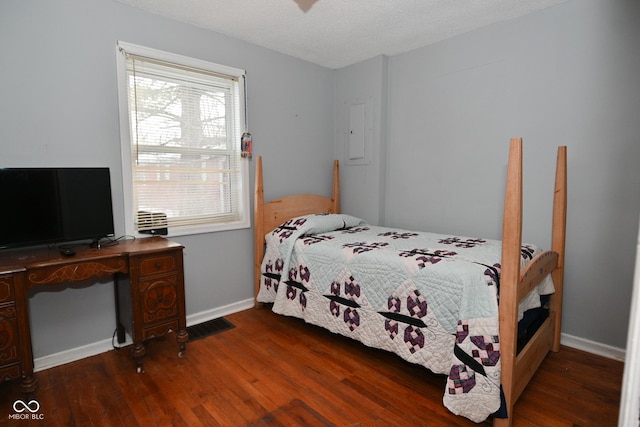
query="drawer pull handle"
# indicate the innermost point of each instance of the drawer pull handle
(158, 265)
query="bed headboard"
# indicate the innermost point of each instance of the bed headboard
(269, 215)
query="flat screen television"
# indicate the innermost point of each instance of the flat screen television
(54, 205)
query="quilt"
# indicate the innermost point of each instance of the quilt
(432, 299)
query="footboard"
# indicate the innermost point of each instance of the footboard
(518, 368)
(528, 360)
(539, 268)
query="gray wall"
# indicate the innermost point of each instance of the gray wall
(59, 107)
(567, 75)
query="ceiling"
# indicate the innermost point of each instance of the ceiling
(338, 33)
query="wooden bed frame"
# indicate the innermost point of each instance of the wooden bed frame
(516, 368)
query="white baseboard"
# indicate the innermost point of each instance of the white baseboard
(203, 316)
(77, 353)
(593, 347)
(71, 355)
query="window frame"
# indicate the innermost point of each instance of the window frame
(126, 146)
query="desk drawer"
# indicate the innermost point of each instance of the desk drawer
(159, 299)
(6, 289)
(156, 264)
(8, 336)
(76, 271)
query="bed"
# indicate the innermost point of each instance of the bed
(485, 313)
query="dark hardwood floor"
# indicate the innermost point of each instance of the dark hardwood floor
(279, 371)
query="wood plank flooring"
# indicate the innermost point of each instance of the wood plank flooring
(276, 371)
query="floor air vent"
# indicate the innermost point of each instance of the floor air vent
(210, 327)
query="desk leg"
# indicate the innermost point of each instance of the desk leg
(120, 331)
(182, 338)
(138, 354)
(29, 384)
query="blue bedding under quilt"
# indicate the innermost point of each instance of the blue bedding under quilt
(432, 299)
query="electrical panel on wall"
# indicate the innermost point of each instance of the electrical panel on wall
(359, 131)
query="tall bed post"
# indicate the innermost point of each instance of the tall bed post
(335, 189)
(258, 233)
(510, 275)
(558, 236)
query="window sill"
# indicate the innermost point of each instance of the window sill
(199, 229)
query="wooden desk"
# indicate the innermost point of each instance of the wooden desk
(149, 287)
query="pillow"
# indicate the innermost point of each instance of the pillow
(320, 223)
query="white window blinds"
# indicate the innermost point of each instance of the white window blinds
(185, 126)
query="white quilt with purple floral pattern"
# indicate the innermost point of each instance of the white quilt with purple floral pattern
(431, 299)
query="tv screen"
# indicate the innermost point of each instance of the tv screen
(54, 205)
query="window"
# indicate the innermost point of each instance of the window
(181, 122)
